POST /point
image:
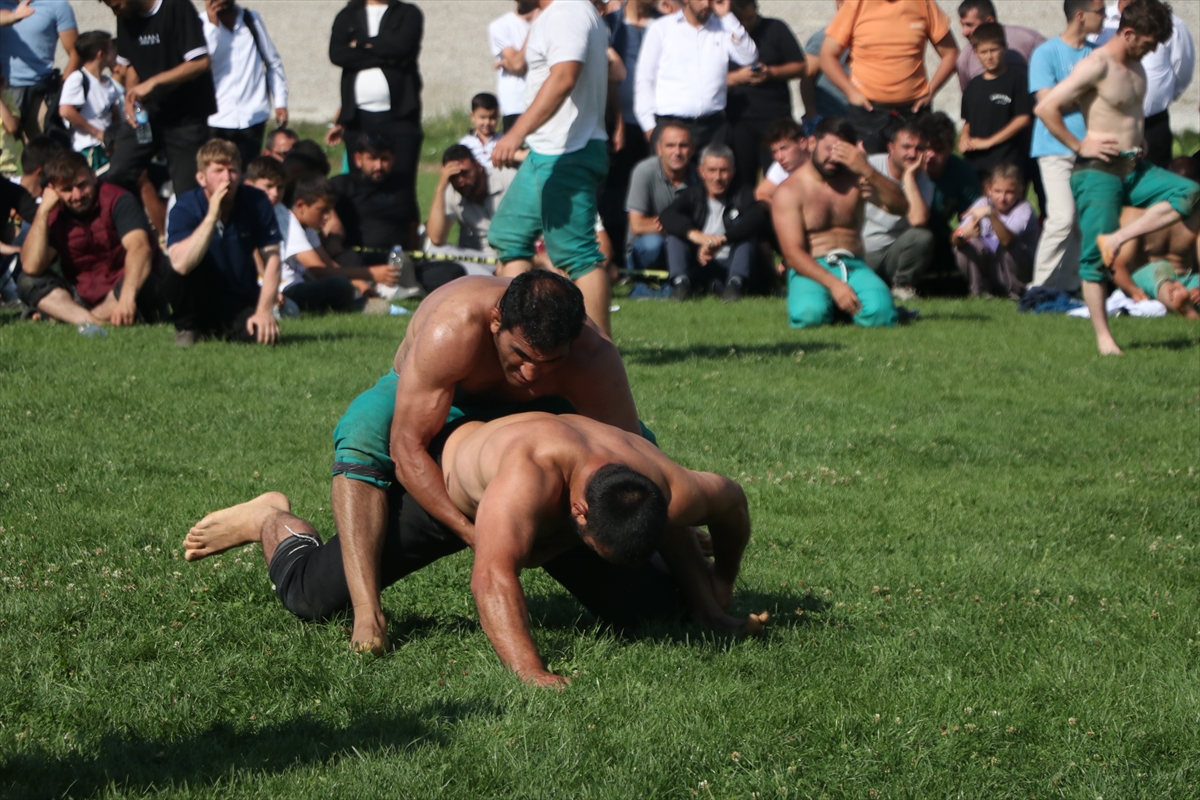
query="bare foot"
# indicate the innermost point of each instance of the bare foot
(706, 545)
(1108, 347)
(376, 645)
(757, 623)
(1107, 251)
(233, 526)
(370, 634)
(721, 588)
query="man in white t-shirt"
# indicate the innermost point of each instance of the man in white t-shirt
(506, 36)
(900, 248)
(554, 192)
(90, 100)
(789, 149)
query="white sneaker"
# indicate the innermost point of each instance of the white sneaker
(902, 294)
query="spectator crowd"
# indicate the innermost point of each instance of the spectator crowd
(155, 176)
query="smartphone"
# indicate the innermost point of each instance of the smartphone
(756, 68)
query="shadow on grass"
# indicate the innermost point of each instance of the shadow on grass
(144, 765)
(953, 316)
(657, 356)
(292, 339)
(1166, 344)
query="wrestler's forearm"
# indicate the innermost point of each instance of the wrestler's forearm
(424, 480)
(505, 619)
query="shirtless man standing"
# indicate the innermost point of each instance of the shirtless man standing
(587, 502)
(818, 214)
(1109, 86)
(480, 346)
(1163, 265)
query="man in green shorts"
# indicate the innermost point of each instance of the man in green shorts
(554, 192)
(818, 215)
(1109, 86)
(481, 347)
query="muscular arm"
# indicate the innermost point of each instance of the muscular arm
(138, 259)
(599, 387)
(556, 89)
(507, 519)
(1087, 73)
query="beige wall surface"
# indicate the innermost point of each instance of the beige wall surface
(456, 63)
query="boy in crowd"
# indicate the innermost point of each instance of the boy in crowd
(485, 116)
(996, 240)
(91, 101)
(789, 149)
(996, 107)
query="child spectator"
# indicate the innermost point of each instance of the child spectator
(996, 107)
(91, 101)
(995, 243)
(485, 116)
(310, 278)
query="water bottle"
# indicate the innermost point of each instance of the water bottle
(142, 118)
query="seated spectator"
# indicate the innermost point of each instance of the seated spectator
(899, 247)
(997, 238)
(653, 186)
(309, 277)
(469, 194)
(997, 109)
(101, 237)
(374, 205)
(17, 209)
(1164, 264)
(886, 40)
(955, 182)
(789, 150)
(279, 143)
(212, 235)
(485, 115)
(712, 232)
(1021, 41)
(91, 102)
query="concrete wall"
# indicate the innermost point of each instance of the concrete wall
(456, 64)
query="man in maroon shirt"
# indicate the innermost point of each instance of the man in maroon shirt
(102, 238)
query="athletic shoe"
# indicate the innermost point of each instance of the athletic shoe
(186, 338)
(733, 291)
(902, 294)
(681, 289)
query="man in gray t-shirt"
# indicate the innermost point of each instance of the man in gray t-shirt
(653, 186)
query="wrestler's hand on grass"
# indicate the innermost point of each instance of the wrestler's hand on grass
(544, 678)
(846, 298)
(1099, 145)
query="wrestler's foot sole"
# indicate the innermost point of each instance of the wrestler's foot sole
(234, 526)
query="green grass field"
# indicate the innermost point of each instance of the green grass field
(977, 540)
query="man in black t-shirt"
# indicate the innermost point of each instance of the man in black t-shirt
(997, 110)
(759, 94)
(374, 205)
(163, 43)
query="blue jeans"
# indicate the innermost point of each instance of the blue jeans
(648, 251)
(681, 261)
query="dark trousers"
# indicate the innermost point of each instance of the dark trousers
(705, 131)
(249, 141)
(750, 153)
(405, 135)
(682, 261)
(1159, 139)
(311, 580)
(199, 302)
(335, 293)
(616, 185)
(180, 142)
(870, 125)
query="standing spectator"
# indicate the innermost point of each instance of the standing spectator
(900, 247)
(91, 101)
(1057, 258)
(100, 235)
(248, 74)
(375, 206)
(996, 107)
(788, 145)
(481, 141)
(995, 242)
(712, 230)
(1021, 41)
(822, 98)
(279, 143)
(10, 125)
(212, 236)
(683, 71)
(377, 44)
(506, 37)
(162, 41)
(654, 185)
(886, 40)
(627, 30)
(27, 60)
(759, 94)
(956, 185)
(554, 193)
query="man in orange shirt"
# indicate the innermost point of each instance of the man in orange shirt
(887, 40)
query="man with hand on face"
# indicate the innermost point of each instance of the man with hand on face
(212, 235)
(470, 195)
(818, 215)
(102, 237)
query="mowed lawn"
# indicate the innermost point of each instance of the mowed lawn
(976, 538)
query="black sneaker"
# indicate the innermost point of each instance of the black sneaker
(733, 291)
(681, 289)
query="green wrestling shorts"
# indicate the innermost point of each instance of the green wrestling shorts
(362, 438)
(1150, 277)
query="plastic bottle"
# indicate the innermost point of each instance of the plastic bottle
(142, 118)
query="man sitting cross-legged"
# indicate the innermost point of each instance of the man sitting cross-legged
(101, 236)
(585, 501)
(818, 214)
(1163, 264)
